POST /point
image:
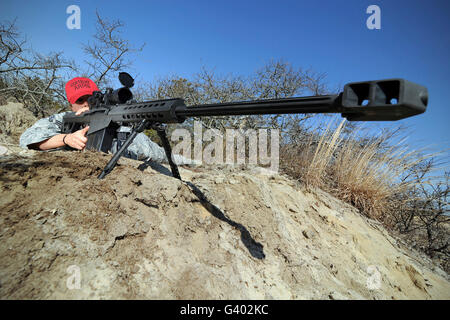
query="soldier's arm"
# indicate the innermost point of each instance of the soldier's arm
(52, 143)
(41, 132)
(47, 134)
(75, 140)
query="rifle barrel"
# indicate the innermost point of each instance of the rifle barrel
(314, 104)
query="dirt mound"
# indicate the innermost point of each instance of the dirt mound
(14, 120)
(222, 233)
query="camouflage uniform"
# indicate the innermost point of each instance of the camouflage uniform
(142, 148)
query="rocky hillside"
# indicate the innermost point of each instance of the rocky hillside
(221, 233)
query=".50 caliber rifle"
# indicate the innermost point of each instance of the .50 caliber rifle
(382, 100)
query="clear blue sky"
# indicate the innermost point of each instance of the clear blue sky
(240, 36)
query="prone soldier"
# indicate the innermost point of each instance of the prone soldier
(47, 133)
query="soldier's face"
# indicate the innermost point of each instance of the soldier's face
(80, 103)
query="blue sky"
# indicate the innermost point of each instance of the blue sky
(238, 37)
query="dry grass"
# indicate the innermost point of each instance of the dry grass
(364, 175)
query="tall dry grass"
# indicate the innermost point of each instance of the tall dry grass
(362, 172)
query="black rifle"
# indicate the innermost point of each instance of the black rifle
(383, 100)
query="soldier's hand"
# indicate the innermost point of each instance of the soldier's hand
(77, 139)
(84, 109)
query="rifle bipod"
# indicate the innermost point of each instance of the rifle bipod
(144, 124)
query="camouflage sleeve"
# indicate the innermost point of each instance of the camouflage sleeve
(145, 149)
(42, 130)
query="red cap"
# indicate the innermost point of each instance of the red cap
(78, 87)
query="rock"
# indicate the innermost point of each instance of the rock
(308, 234)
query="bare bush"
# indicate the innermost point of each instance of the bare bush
(422, 215)
(32, 79)
(38, 80)
(276, 79)
(108, 52)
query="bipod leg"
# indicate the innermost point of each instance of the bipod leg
(112, 163)
(161, 130)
